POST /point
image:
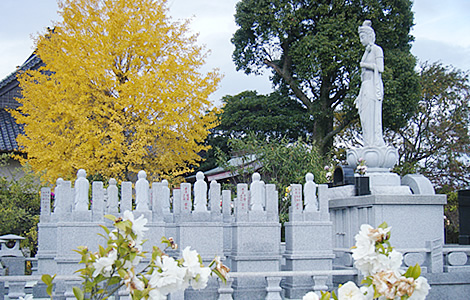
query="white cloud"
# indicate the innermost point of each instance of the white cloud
(442, 32)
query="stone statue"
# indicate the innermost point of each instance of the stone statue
(82, 186)
(310, 194)
(59, 205)
(113, 196)
(256, 192)
(166, 197)
(142, 192)
(200, 193)
(369, 101)
(377, 155)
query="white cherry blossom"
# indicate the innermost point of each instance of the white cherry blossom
(421, 289)
(103, 265)
(310, 296)
(350, 291)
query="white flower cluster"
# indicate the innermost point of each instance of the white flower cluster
(165, 274)
(329, 173)
(366, 259)
(170, 276)
(361, 168)
(380, 264)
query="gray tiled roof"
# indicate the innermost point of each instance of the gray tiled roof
(32, 62)
(9, 130)
(9, 90)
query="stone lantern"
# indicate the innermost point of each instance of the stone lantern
(10, 254)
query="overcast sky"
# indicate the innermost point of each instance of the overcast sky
(442, 33)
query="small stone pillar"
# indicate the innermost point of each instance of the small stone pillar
(155, 224)
(47, 230)
(82, 186)
(126, 197)
(228, 219)
(97, 204)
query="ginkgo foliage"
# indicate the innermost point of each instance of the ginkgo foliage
(121, 90)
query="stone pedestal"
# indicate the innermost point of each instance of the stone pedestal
(14, 265)
(71, 235)
(414, 219)
(207, 239)
(255, 248)
(154, 234)
(308, 247)
(309, 242)
(47, 248)
(378, 159)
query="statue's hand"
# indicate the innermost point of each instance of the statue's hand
(367, 65)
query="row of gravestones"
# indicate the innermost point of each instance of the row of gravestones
(247, 236)
(156, 201)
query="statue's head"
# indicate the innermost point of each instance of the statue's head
(199, 176)
(81, 173)
(142, 174)
(309, 177)
(366, 33)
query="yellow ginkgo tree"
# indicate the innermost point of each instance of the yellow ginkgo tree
(121, 90)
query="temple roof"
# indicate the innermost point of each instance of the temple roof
(9, 91)
(9, 130)
(33, 61)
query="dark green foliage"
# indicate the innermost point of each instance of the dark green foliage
(313, 51)
(435, 141)
(273, 116)
(20, 204)
(267, 116)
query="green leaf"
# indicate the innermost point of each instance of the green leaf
(101, 251)
(383, 225)
(78, 293)
(49, 290)
(417, 272)
(110, 217)
(325, 295)
(333, 294)
(122, 225)
(137, 294)
(47, 279)
(114, 280)
(156, 252)
(106, 229)
(217, 272)
(122, 273)
(367, 281)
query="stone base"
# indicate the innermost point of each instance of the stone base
(386, 183)
(204, 237)
(378, 159)
(414, 219)
(308, 247)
